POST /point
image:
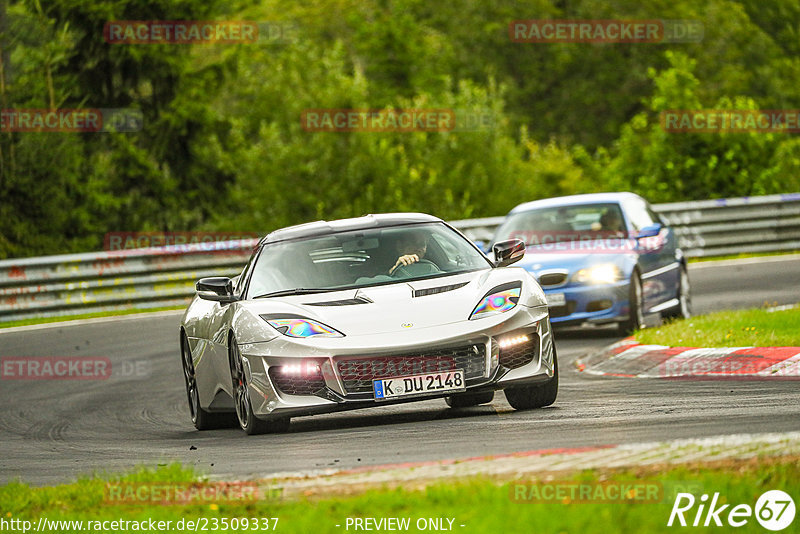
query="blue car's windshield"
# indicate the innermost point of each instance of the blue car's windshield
(563, 223)
(363, 258)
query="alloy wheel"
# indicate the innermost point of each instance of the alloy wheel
(191, 380)
(241, 397)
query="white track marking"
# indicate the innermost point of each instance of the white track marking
(81, 322)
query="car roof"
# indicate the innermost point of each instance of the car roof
(573, 200)
(320, 228)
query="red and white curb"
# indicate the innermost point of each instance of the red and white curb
(524, 464)
(630, 359)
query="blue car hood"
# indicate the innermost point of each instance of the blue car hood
(537, 259)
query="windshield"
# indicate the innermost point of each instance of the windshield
(363, 258)
(563, 223)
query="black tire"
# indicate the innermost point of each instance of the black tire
(466, 400)
(202, 419)
(530, 397)
(635, 319)
(684, 308)
(248, 422)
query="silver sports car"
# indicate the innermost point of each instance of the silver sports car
(362, 312)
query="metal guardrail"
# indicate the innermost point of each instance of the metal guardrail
(114, 280)
(164, 276)
(732, 226)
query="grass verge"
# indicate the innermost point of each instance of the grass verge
(480, 504)
(95, 315)
(742, 328)
(744, 255)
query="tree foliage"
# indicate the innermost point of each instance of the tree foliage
(222, 146)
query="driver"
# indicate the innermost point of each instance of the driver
(412, 247)
(611, 221)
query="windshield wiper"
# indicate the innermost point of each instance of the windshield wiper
(295, 291)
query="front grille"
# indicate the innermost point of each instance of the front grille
(519, 355)
(296, 384)
(562, 311)
(552, 279)
(599, 305)
(358, 373)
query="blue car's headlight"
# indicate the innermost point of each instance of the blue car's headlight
(606, 273)
(296, 326)
(499, 300)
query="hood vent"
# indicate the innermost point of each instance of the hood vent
(435, 290)
(343, 302)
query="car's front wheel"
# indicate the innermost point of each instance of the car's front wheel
(202, 419)
(529, 397)
(635, 319)
(465, 400)
(684, 308)
(251, 424)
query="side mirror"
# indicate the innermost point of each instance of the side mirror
(508, 252)
(216, 288)
(649, 231)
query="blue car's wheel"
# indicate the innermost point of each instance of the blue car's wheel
(684, 308)
(635, 318)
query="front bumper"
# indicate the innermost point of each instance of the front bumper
(338, 382)
(591, 303)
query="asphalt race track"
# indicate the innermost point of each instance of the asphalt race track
(53, 431)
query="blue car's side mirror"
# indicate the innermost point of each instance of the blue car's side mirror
(649, 231)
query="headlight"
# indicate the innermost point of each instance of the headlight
(295, 326)
(607, 273)
(498, 300)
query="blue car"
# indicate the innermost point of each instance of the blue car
(601, 258)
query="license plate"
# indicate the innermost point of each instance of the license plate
(392, 388)
(556, 299)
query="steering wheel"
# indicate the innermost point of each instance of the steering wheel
(418, 268)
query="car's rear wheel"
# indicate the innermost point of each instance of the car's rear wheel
(465, 400)
(684, 308)
(529, 397)
(202, 419)
(251, 424)
(635, 318)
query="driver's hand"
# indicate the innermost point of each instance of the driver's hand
(408, 259)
